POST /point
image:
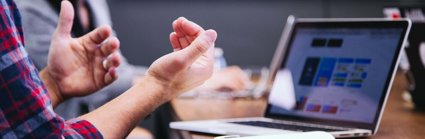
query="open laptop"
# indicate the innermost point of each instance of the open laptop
(331, 75)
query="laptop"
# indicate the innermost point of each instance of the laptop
(331, 75)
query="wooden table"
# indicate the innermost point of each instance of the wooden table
(399, 121)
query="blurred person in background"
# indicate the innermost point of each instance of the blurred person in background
(40, 18)
(81, 66)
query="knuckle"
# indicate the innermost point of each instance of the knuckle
(180, 62)
(202, 46)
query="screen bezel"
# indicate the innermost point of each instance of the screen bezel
(344, 23)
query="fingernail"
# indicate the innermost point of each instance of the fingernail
(192, 23)
(113, 70)
(113, 73)
(212, 35)
(182, 18)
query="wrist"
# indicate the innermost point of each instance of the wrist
(164, 91)
(52, 87)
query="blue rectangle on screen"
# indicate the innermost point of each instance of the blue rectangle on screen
(345, 60)
(364, 75)
(309, 71)
(325, 71)
(339, 84)
(363, 61)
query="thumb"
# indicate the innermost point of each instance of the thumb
(66, 18)
(200, 45)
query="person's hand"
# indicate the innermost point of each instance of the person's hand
(187, 67)
(80, 66)
(137, 80)
(190, 64)
(230, 79)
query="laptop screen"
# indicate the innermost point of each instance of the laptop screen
(339, 72)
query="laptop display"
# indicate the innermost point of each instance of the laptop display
(340, 72)
(330, 75)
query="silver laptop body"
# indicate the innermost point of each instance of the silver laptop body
(331, 75)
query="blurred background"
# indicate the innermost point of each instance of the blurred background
(249, 30)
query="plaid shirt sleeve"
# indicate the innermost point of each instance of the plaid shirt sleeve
(25, 107)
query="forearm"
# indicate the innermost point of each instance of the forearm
(118, 117)
(52, 88)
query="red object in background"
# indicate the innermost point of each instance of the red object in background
(330, 109)
(313, 107)
(395, 15)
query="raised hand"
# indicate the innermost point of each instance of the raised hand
(192, 61)
(81, 66)
(228, 79)
(185, 32)
(185, 68)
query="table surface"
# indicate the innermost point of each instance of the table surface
(399, 121)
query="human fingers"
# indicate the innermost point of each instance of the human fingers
(185, 27)
(183, 42)
(110, 46)
(233, 78)
(110, 65)
(176, 27)
(228, 85)
(241, 77)
(66, 18)
(240, 84)
(112, 61)
(186, 31)
(175, 41)
(200, 45)
(110, 76)
(191, 30)
(94, 38)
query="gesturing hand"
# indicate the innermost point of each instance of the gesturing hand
(191, 63)
(80, 66)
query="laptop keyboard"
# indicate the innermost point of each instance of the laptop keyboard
(284, 126)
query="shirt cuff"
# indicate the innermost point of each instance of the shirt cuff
(81, 128)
